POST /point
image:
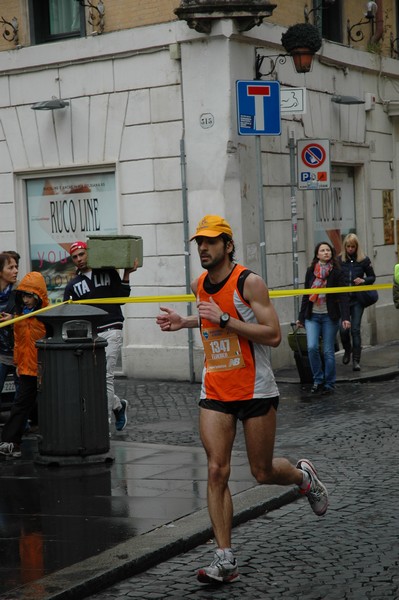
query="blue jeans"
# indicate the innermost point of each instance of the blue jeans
(356, 312)
(321, 326)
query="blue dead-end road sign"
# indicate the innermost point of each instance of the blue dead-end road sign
(258, 107)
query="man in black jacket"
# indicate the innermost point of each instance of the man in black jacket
(103, 283)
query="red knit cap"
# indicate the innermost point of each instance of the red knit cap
(76, 246)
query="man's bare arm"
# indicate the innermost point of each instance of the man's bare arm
(267, 329)
(170, 320)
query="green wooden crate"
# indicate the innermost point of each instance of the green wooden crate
(116, 251)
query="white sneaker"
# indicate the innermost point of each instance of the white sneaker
(8, 449)
(316, 491)
(223, 569)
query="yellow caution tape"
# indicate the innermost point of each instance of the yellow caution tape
(272, 294)
(192, 298)
(132, 299)
(32, 314)
(336, 290)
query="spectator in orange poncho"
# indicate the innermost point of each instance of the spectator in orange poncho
(31, 295)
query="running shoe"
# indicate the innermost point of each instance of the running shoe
(223, 569)
(10, 450)
(316, 492)
(121, 416)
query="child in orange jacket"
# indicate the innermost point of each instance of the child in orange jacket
(31, 295)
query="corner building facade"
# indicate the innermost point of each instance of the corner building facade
(147, 143)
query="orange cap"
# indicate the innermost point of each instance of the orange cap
(212, 226)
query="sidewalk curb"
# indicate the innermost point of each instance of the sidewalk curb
(140, 553)
(378, 375)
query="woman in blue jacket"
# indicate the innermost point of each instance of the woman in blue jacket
(358, 271)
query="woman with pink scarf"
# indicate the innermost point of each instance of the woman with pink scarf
(320, 314)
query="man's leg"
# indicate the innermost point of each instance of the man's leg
(116, 406)
(259, 437)
(217, 432)
(217, 435)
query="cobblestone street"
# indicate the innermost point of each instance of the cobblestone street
(350, 554)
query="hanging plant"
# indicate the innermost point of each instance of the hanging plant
(301, 35)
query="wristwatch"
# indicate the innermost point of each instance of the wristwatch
(224, 319)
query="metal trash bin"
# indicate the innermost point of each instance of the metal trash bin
(72, 394)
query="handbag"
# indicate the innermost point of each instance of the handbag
(367, 298)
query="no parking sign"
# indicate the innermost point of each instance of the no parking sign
(313, 158)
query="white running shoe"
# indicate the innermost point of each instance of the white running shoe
(10, 450)
(223, 569)
(316, 492)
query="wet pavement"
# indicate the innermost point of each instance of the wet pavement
(68, 532)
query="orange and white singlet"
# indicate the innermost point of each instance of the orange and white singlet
(235, 368)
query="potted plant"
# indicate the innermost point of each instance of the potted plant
(302, 41)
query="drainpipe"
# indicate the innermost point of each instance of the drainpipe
(187, 253)
(183, 172)
(379, 23)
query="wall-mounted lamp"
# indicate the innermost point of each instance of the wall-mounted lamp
(53, 104)
(316, 10)
(10, 32)
(302, 59)
(96, 14)
(301, 41)
(369, 19)
(346, 100)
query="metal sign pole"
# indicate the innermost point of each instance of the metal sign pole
(294, 220)
(259, 113)
(262, 239)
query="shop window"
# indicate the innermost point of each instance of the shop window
(331, 27)
(334, 214)
(53, 20)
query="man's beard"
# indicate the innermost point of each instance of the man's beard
(215, 262)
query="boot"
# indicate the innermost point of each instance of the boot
(356, 359)
(346, 345)
(347, 355)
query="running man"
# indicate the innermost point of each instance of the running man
(238, 323)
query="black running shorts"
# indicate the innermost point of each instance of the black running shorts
(242, 409)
